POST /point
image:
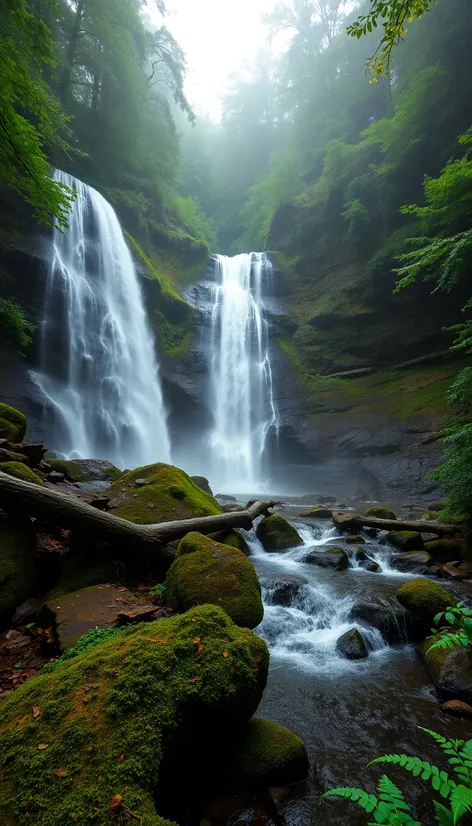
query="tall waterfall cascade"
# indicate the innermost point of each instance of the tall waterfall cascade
(241, 373)
(98, 370)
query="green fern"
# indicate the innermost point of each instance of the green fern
(460, 618)
(390, 807)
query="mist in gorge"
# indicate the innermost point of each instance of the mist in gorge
(235, 412)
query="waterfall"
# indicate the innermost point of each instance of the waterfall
(98, 369)
(241, 376)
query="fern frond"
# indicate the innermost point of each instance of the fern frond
(440, 780)
(461, 802)
(366, 801)
(443, 815)
(392, 807)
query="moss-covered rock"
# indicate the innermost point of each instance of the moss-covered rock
(205, 571)
(319, 512)
(354, 539)
(332, 557)
(86, 470)
(233, 538)
(351, 645)
(406, 540)
(164, 493)
(381, 513)
(277, 534)
(11, 456)
(109, 718)
(17, 553)
(21, 471)
(12, 423)
(414, 562)
(450, 671)
(424, 599)
(444, 550)
(266, 754)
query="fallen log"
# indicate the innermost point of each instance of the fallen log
(356, 521)
(69, 511)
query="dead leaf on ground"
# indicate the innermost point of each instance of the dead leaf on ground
(61, 772)
(43, 746)
(225, 654)
(36, 712)
(116, 803)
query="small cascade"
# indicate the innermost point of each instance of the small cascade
(241, 376)
(98, 370)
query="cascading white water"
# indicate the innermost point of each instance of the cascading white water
(98, 370)
(241, 375)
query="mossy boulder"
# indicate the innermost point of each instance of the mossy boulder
(379, 512)
(109, 719)
(424, 599)
(12, 423)
(21, 471)
(265, 754)
(413, 562)
(202, 483)
(205, 571)
(159, 493)
(354, 539)
(444, 550)
(333, 557)
(352, 646)
(277, 534)
(317, 513)
(406, 540)
(233, 538)
(86, 470)
(11, 456)
(17, 555)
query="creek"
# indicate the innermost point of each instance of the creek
(346, 712)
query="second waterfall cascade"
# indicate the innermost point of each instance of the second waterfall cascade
(241, 373)
(98, 371)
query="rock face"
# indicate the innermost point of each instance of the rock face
(150, 694)
(276, 534)
(205, 571)
(333, 557)
(168, 494)
(352, 646)
(405, 540)
(450, 671)
(76, 613)
(17, 553)
(412, 562)
(202, 483)
(12, 423)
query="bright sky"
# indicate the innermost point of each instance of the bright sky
(217, 36)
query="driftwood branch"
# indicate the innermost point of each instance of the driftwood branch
(348, 521)
(69, 511)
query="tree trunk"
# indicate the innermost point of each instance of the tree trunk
(71, 52)
(69, 511)
(351, 521)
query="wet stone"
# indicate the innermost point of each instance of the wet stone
(352, 645)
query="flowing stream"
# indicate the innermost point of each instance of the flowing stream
(347, 712)
(241, 374)
(98, 369)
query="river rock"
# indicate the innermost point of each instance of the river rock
(26, 612)
(346, 522)
(351, 645)
(381, 513)
(450, 671)
(73, 614)
(371, 565)
(192, 680)
(55, 477)
(284, 593)
(205, 571)
(406, 540)
(443, 550)
(424, 599)
(317, 513)
(277, 534)
(354, 539)
(387, 615)
(225, 497)
(412, 562)
(456, 708)
(202, 483)
(333, 557)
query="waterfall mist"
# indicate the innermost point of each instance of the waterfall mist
(240, 370)
(98, 369)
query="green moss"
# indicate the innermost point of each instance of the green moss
(379, 512)
(205, 571)
(21, 471)
(406, 540)
(169, 490)
(232, 538)
(319, 512)
(17, 553)
(112, 714)
(276, 534)
(444, 550)
(11, 456)
(424, 598)
(13, 424)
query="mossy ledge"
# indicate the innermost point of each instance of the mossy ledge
(12, 423)
(105, 719)
(21, 471)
